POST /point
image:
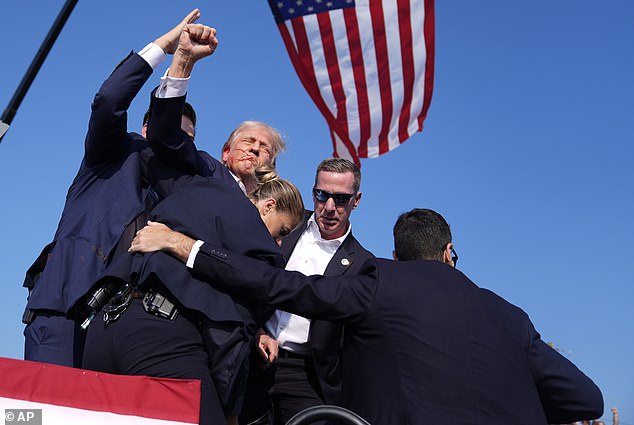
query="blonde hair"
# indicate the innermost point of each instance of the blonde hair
(287, 197)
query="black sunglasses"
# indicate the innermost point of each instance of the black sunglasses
(339, 198)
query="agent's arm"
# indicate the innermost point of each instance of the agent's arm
(342, 299)
(566, 393)
(107, 129)
(170, 135)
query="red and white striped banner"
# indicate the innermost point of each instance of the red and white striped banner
(75, 396)
(367, 64)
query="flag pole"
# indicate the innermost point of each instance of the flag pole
(47, 44)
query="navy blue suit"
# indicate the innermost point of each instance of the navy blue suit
(423, 344)
(104, 197)
(107, 194)
(210, 208)
(236, 225)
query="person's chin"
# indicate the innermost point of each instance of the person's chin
(247, 170)
(329, 225)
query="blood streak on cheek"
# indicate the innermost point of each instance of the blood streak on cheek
(247, 156)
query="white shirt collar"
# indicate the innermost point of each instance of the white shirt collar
(313, 229)
(237, 179)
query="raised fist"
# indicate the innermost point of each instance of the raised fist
(196, 42)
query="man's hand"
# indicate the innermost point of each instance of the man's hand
(158, 237)
(169, 41)
(197, 41)
(267, 347)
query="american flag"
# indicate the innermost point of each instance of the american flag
(367, 64)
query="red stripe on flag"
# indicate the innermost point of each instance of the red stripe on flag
(358, 68)
(332, 65)
(302, 62)
(407, 61)
(429, 60)
(383, 71)
(307, 77)
(310, 84)
(157, 398)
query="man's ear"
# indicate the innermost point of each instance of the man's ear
(357, 199)
(394, 255)
(446, 255)
(225, 154)
(144, 131)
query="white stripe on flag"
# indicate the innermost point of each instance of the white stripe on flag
(420, 56)
(62, 415)
(342, 50)
(320, 69)
(33, 383)
(390, 17)
(371, 76)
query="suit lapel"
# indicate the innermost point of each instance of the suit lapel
(343, 258)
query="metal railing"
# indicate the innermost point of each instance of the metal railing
(332, 413)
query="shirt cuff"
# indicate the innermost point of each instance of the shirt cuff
(172, 86)
(153, 55)
(193, 253)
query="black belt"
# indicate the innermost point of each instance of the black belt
(29, 315)
(286, 354)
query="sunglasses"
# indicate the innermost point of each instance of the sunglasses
(339, 198)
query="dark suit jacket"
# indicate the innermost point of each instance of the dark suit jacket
(423, 344)
(324, 337)
(202, 200)
(109, 191)
(104, 197)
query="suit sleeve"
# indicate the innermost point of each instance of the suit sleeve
(566, 393)
(175, 148)
(339, 299)
(107, 128)
(169, 142)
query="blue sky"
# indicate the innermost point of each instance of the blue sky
(527, 148)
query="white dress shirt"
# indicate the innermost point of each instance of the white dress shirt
(169, 86)
(311, 256)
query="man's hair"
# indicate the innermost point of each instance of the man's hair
(340, 166)
(188, 111)
(287, 198)
(421, 234)
(277, 143)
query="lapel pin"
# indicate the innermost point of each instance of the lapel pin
(345, 262)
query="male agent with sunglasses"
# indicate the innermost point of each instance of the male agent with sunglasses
(298, 358)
